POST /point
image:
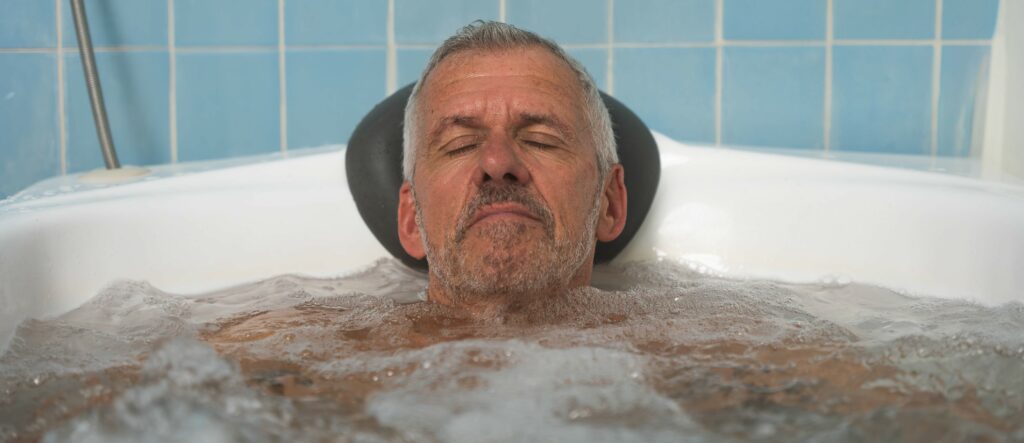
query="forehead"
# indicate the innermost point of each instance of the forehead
(531, 77)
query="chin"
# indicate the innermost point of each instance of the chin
(511, 239)
(508, 271)
(504, 257)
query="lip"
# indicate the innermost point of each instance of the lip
(502, 210)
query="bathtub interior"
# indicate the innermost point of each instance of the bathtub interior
(196, 227)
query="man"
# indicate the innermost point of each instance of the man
(511, 174)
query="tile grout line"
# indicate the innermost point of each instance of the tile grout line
(415, 46)
(907, 42)
(391, 63)
(62, 123)
(172, 83)
(719, 62)
(333, 47)
(609, 24)
(616, 45)
(28, 50)
(222, 49)
(965, 42)
(826, 119)
(936, 80)
(74, 49)
(282, 80)
(502, 11)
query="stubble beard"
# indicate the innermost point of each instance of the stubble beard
(519, 262)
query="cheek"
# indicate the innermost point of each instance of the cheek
(570, 194)
(445, 178)
(441, 203)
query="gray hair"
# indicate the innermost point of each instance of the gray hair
(496, 36)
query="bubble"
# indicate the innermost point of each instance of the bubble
(657, 352)
(764, 430)
(578, 413)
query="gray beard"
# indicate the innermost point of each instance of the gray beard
(546, 269)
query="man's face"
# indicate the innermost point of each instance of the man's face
(506, 184)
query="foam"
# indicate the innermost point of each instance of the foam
(655, 352)
(188, 394)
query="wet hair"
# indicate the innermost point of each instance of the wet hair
(496, 36)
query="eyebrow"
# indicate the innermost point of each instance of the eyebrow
(449, 121)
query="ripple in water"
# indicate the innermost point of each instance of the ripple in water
(658, 353)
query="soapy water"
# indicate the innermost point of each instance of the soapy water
(658, 353)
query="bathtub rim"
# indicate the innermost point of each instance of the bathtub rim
(325, 169)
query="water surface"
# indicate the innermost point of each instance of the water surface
(659, 353)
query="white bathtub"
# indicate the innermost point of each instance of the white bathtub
(190, 228)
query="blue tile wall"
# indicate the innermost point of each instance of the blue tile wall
(411, 63)
(329, 91)
(225, 22)
(963, 72)
(773, 96)
(228, 105)
(672, 89)
(969, 19)
(336, 22)
(884, 19)
(431, 21)
(29, 145)
(659, 56)
(657, 21)
(881, 99)
(119, 22)
(596, 63)
(135, 90)
(548, 18)
(28, 24)
(774, 20)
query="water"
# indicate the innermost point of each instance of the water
(659, 353)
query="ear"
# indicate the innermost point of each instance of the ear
(408, 232)
(612, 219)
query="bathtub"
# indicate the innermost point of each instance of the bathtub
(194, 227)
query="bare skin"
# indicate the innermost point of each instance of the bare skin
(506, 121)
(710, 380)
(827, 377)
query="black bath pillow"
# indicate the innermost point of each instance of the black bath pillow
(373, 164)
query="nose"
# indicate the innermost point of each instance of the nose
(499, 161)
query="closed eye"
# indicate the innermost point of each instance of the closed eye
(460, 144)
(538, 144)
(460, 150)
(540, 139)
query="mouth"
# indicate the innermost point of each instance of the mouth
(503, 211)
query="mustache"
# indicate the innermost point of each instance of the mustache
(491, 193)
